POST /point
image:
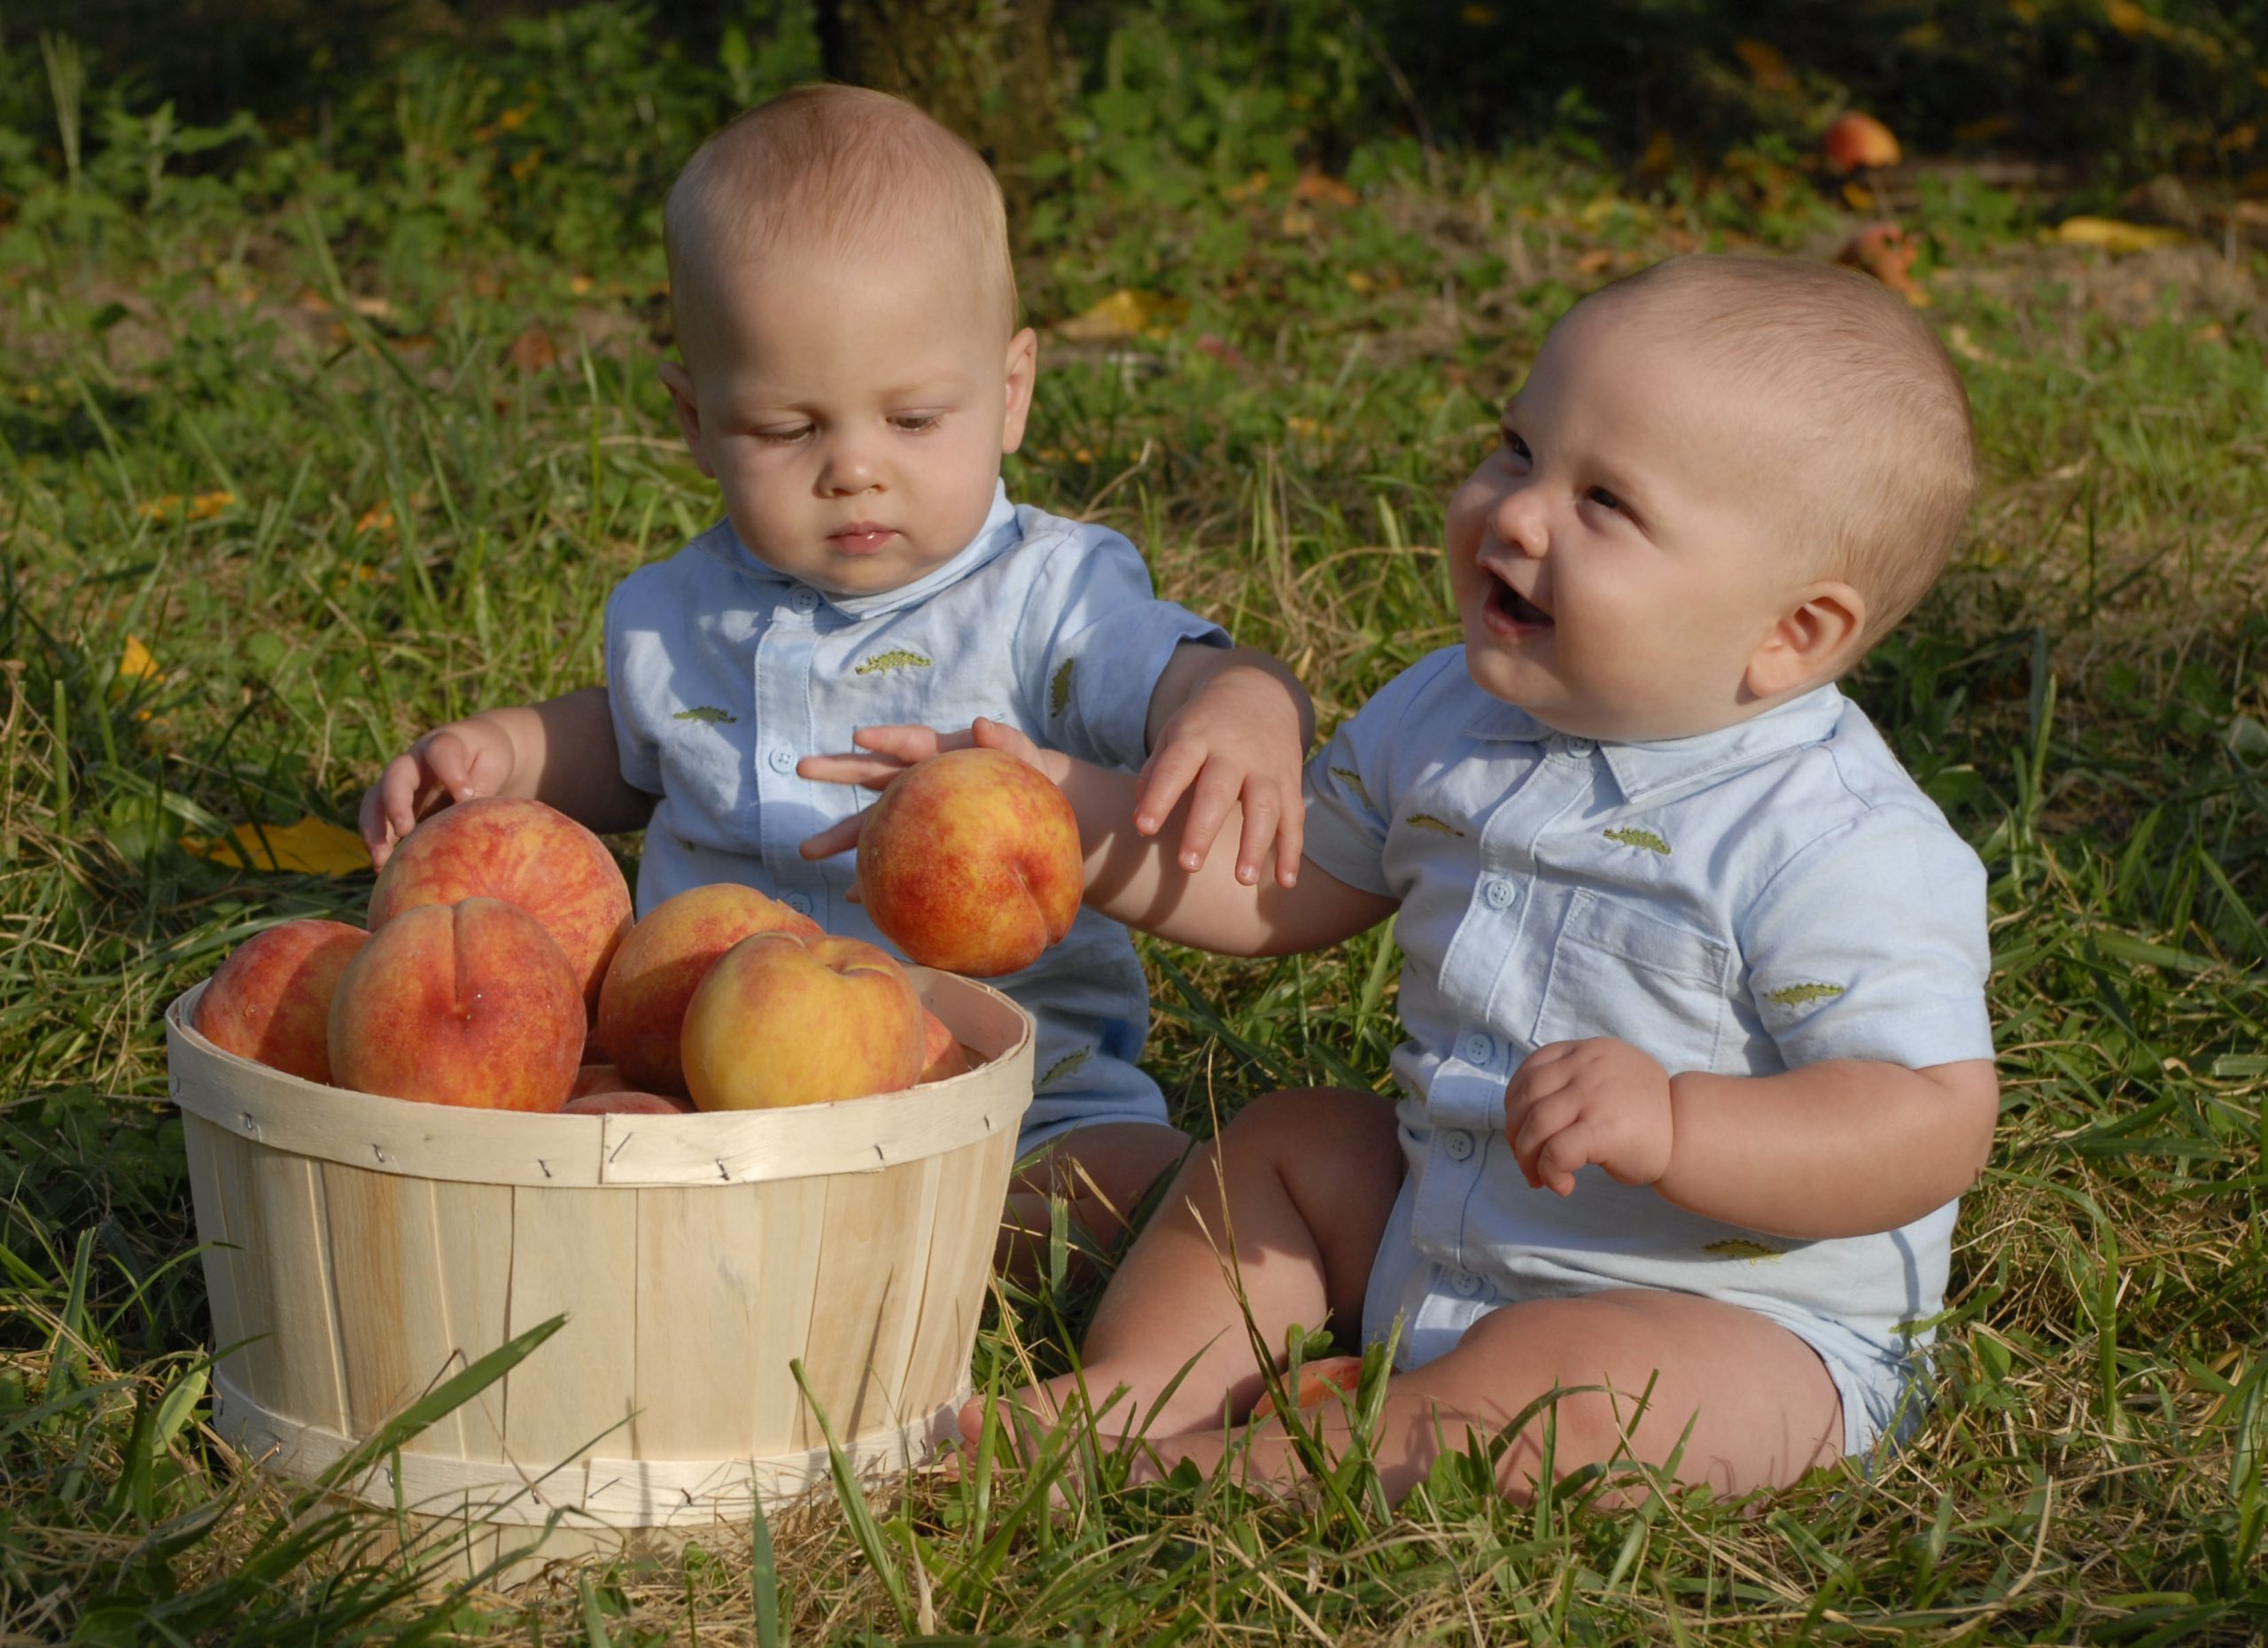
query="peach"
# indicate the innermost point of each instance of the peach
(941, 1054)
(270, 1000)
(642, 1005)
(626, 1104)
(467, 1004)
(527, 854)
(1857, 141)
(1319, 1380)
(970, 862)
(783, 1020)
(597, 1078)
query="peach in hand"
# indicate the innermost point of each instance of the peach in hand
(782, 1019)
(270, 1000)
(641, 1004)
(466, 1004)
(970, 862)
(524, 853)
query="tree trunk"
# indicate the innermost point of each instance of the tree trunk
(986, 69)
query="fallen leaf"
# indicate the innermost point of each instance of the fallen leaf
(311, 847)
(1317, 186)
(2127, 17)
(1125, 314)
(377, 518)
(1884, 252)
(533, 351)
(1765, 64)
(137, 663)
(2109, 234)
(1597, 260)
(1984, 128)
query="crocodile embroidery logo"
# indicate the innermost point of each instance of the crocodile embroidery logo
(707, 714)
(1635, 837)
(1427, 821)
(1801, 995)
(897, 658)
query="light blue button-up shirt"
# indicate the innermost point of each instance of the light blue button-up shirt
(723, 673)
(1745, 901)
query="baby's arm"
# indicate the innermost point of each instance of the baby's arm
(1130, 876)
(561, 751)
(1229, 728)
(1845, 1147)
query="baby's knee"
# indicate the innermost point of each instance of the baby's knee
(1309, 1118)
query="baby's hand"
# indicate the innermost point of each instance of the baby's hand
(453, 763)
(1574, 1103)
(1237, 741)
(884, 753)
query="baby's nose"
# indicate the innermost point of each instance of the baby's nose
(1519, 522)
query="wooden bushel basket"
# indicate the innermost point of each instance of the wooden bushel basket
(359, 1250)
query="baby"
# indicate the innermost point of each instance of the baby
(1699, 1061)
(853, 372)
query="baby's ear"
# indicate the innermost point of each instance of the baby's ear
(1023, 366)
(679, 382)
(1814, 640)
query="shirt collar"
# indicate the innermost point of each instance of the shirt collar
(1646, 769)
(1000, 529)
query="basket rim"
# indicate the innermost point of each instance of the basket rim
(475, 1146)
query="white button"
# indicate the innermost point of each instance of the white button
(1499, 892)
(803, 600)
(783, 760)
(1579, 746)
(1477, 1049)
(799, 903)
(1458, 1143)
(1466, 1284)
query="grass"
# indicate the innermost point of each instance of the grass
(346, 447)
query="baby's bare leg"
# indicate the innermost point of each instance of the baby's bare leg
(1102, 1171)
(1762, 1406)
(1308, 1178)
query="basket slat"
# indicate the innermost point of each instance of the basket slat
(573, 1252)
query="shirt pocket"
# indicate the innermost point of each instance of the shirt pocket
(1618, 971)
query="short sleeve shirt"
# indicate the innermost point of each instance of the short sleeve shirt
(723, 673)
(1745, 901)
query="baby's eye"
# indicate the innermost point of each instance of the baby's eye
(1604, 499)
(1516, 446)
(787, 436)
(914, 422)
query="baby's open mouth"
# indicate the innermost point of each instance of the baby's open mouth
(1509, 602)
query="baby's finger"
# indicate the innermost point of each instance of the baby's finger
(377, 838)
(1209, 802)
(907, 741)
(840, 836)
(1291, 839)
(1263, 813)
(1164, 778)
(986, 734)
(453, 766)
(849, 767)
(1562, 1154)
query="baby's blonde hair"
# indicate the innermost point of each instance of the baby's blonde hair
(839, 166)
(1889, 466)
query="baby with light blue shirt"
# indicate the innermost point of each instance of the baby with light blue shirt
(852, 374)
(1693, 974)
